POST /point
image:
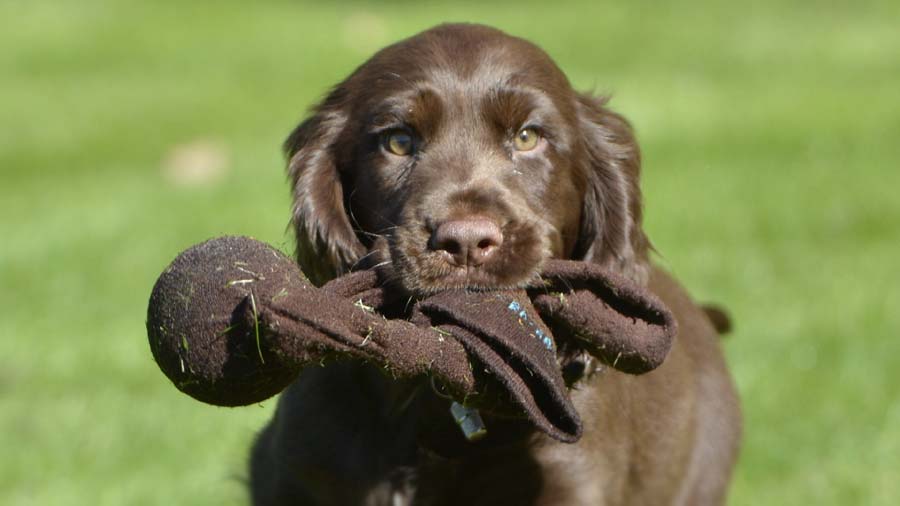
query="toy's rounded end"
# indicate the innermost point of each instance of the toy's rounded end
(198, 327)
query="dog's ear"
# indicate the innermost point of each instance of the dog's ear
(610, 232)
(326, 243)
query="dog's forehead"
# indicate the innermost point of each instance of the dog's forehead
(472, 60)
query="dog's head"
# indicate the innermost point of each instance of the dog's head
(461, 157)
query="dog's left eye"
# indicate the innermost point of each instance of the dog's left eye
(398, 142)
(526, 139)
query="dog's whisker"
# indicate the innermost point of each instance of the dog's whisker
(369, 234)
(363, 258)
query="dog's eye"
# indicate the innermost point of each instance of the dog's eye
(527, 139)
(398, 142)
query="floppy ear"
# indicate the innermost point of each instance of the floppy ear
(326, 243)
(610, 233)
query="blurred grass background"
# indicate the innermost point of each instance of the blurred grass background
(131, 130)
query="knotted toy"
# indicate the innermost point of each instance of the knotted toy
(232, 321)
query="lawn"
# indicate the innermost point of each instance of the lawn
(771, 138)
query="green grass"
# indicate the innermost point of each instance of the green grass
(771, 135)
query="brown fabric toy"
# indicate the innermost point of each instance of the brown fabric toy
(232, 321)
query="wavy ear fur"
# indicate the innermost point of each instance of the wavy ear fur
(326, 243)
(611, 233)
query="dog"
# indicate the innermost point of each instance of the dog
(462, 158)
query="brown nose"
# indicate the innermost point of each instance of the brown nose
(470, 241)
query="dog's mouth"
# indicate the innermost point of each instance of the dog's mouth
(410, 258)
(404, 259)
(434, 274)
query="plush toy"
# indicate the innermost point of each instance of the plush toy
(232, 321)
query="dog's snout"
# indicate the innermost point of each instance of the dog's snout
(467, 242)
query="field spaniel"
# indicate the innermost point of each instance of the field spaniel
(462, 158)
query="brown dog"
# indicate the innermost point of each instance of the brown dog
(461, 157)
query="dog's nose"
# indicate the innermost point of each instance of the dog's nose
(469, 242)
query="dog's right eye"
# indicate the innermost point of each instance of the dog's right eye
(526, 139)
(398, 142)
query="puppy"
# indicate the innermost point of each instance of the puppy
(462, 158)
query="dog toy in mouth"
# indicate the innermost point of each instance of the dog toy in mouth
(232, 321)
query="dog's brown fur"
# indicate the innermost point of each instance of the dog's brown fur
(345, 434)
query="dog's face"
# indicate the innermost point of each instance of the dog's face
(462, 158)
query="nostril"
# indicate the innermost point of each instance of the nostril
(450, 246)
(486, 243)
